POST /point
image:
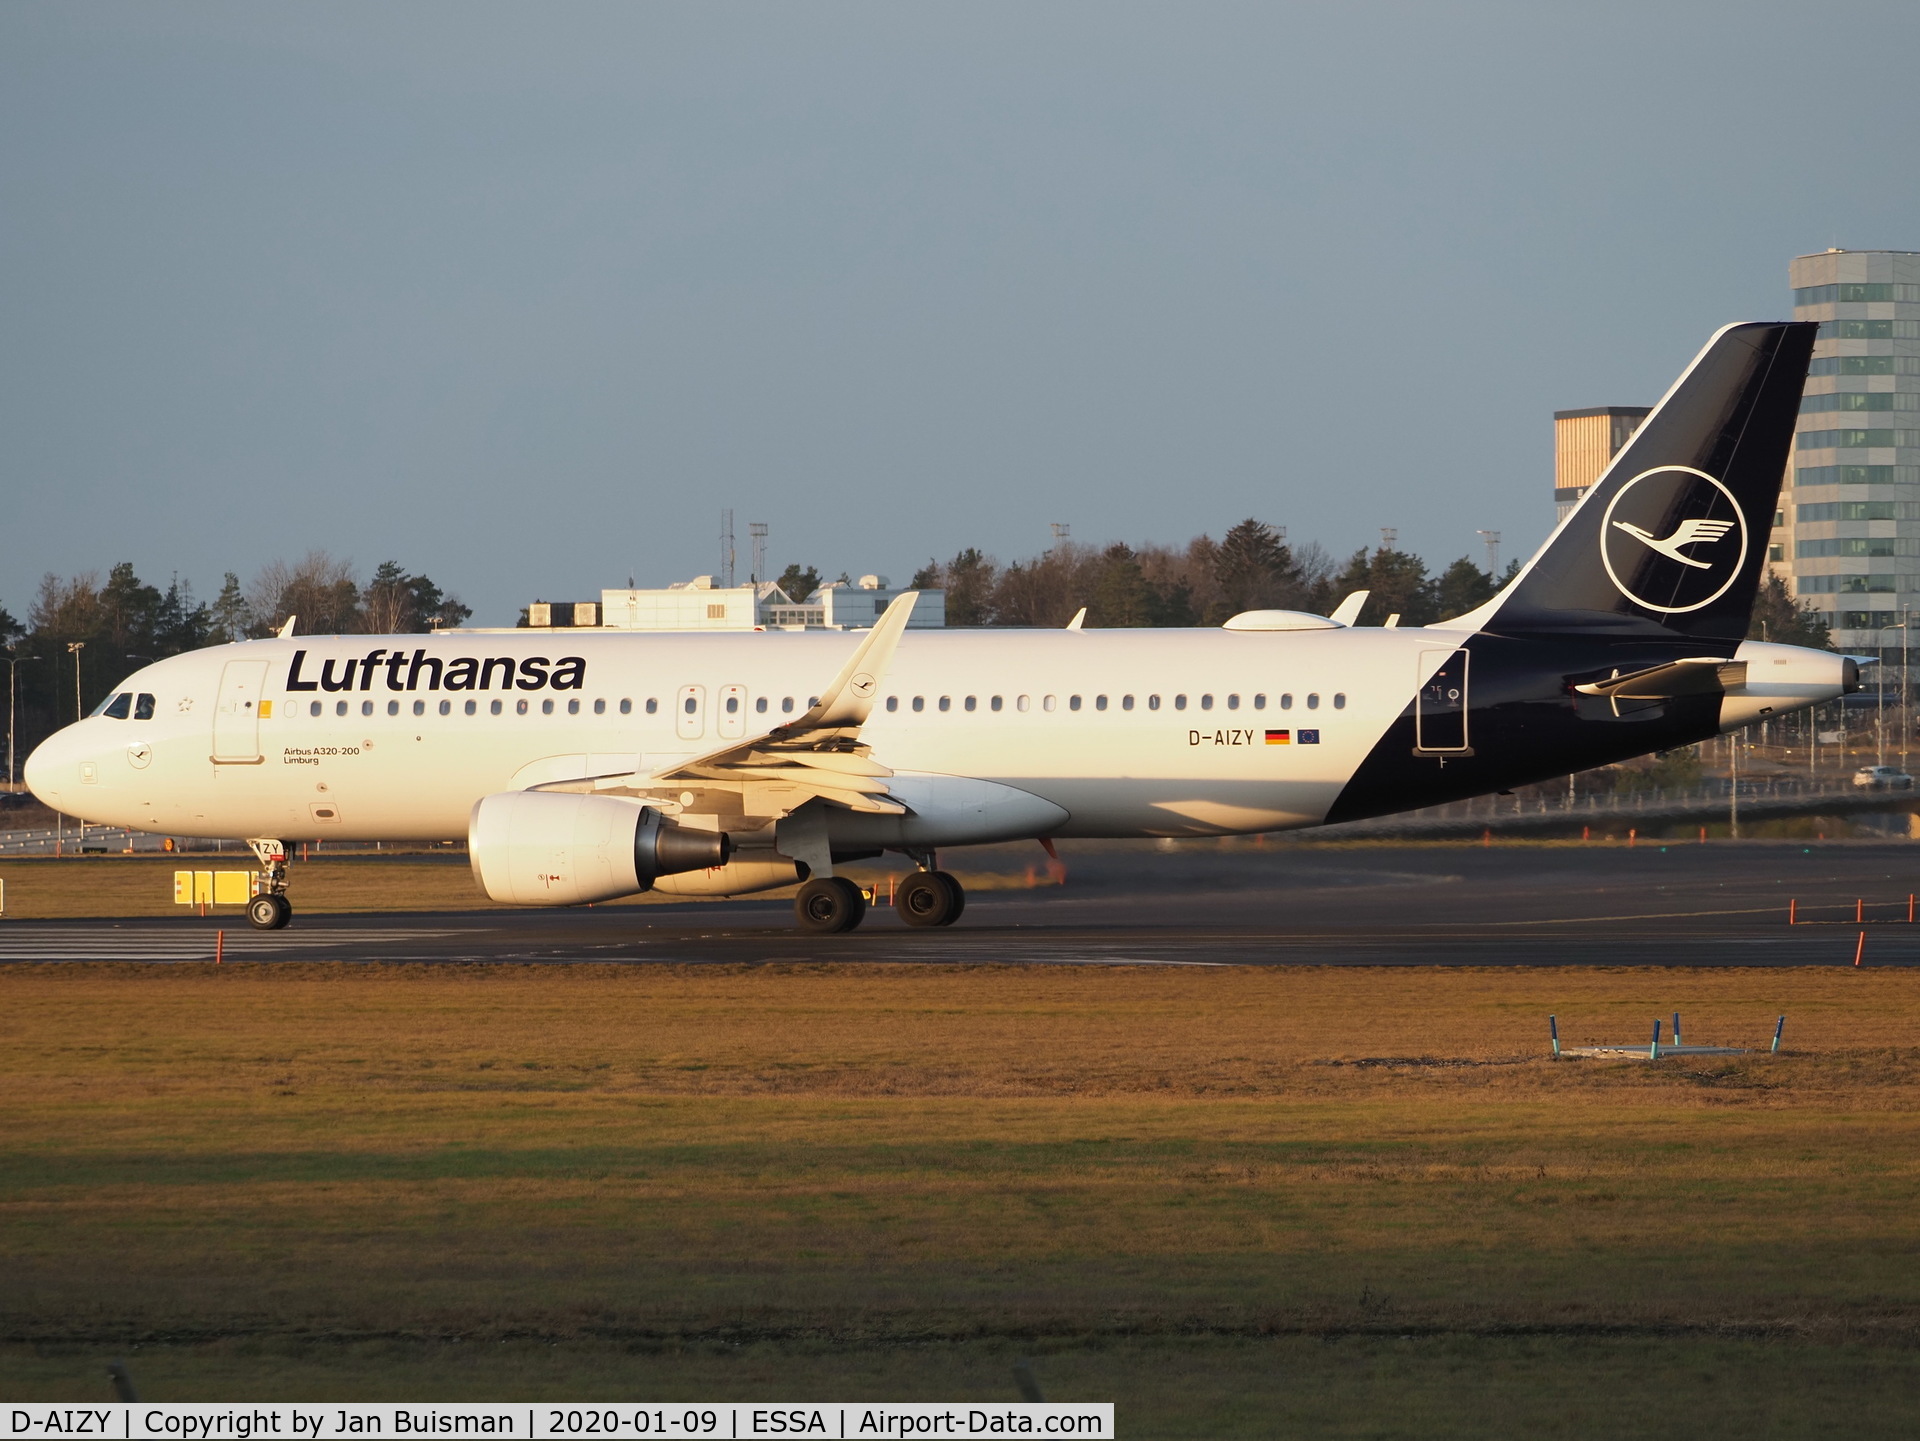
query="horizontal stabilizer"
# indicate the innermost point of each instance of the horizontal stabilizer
(1699, 675)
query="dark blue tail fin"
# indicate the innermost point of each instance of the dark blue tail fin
(1671, 540)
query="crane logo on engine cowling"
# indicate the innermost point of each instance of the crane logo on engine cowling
(1673, 539)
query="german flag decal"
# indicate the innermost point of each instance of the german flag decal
(1279, 738)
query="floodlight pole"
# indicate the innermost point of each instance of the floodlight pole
(74, 647)
(13, 668)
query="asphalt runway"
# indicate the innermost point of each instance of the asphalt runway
(1685, 905)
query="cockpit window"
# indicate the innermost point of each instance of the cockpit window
(116, 706)
(143, 707)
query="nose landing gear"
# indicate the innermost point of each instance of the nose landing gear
(270, 910)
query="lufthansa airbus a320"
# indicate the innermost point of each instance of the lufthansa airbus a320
(589, 765)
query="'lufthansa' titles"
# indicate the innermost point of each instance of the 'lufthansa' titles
(421, 671)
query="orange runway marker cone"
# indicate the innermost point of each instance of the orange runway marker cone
(1860, 949)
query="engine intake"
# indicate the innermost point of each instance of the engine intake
(555, 848)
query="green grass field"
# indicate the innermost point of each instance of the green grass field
(1344, 1202)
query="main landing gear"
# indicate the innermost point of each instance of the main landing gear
(832, 904)
(270, 910)
(930, 898)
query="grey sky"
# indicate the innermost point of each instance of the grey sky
(522, 295)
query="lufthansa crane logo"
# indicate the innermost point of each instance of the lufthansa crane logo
(1673, 540)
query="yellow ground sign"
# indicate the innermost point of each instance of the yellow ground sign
(212, 888)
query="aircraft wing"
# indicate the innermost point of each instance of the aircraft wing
(819, 753)
(1698, 675)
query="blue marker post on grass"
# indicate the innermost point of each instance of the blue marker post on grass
(1653, 1052)
(1778, 1028)
(1553, 1033)
(1676, 1028)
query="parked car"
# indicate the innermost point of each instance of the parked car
(1885, 777)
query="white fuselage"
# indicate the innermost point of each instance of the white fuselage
(1128, 733)
(988, 734)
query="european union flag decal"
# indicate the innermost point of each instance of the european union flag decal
(1307, 738)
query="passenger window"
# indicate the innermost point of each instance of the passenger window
(495, 707)
(1180, 702)
(1126, 702)
(600, 707)
(919, 702)
(1233, 702)
(626, 706)
(520, 707)
(339, 707)
(971, 702)
(946, 702)
(420, 707)
(733, 705)
(546, 707)
(1153, 702)
(472, 707)
(1023, 703)
(760, 704)
(1286, 701)
(995, 703)
(573, 707)
(653, 706)
(314, 709)
(143, 707)
(393, 707)
(117, 707)
(1339, 700)
(812, 701)
(366, 707)
(1099, 702)
(893, 702)
(1260, 702)
(1047, 703)
(1206, 702)
(786, 705)
(1073, 702)
(1313, 700)
(692, 705)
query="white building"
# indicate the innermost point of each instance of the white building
(699, 604)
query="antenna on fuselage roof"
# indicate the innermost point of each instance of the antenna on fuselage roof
(287, 629)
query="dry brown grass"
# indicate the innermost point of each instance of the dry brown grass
(893, 1155)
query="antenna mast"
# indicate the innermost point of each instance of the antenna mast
(726, 548)
(1492, 539)
(758, 530)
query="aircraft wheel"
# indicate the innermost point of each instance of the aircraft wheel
(959, 897)
(829, 905)
(264, 913)
(928, 898)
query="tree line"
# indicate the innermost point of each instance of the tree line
(1203, 582)
(123, 623)
(1251, 567)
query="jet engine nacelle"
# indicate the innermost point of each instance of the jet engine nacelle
(553, 848)
(747, 872)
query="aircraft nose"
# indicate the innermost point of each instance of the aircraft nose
(53, 769)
